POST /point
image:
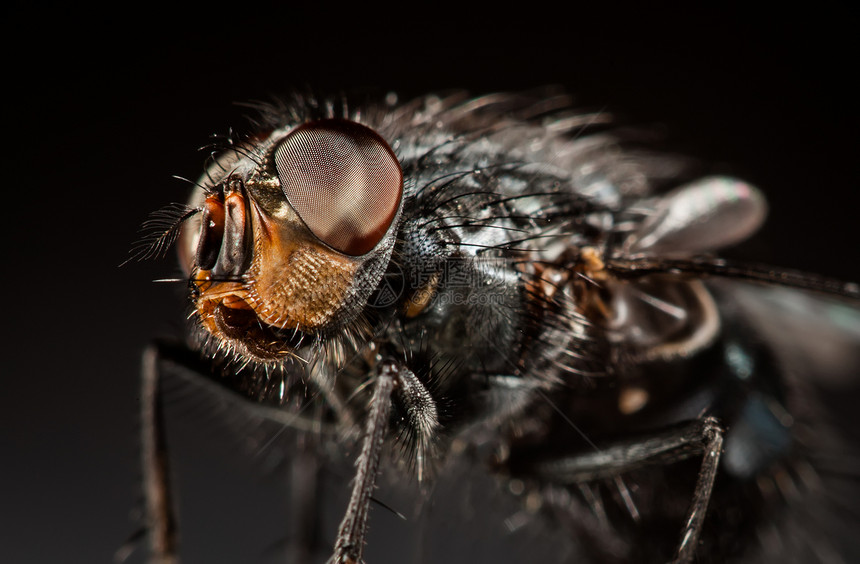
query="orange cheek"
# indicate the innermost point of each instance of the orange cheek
(298, 285)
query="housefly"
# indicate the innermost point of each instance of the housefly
(506, 280)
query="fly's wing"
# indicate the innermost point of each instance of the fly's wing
(673, 317)
(276, 475)
(815, 336)
(814, 344)
(706, 215)
(467, 516)
(266, 484)
(814, 341)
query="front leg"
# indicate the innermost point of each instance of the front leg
(166, 362)
(352, 532)
(160, 510)
(700, 437)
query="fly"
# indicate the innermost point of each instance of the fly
(424, 278)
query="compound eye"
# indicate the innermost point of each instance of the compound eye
(343, 180)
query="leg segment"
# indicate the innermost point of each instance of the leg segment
(700, 437)
(353, 529)
(714, 437)
(160, 518)
(165, 360)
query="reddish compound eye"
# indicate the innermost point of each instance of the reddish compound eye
(343, 180)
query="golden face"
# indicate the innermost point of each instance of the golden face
(294, 233)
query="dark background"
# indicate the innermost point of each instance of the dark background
(106, 106)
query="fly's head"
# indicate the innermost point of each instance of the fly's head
(294, 232)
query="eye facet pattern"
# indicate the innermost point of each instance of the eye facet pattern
(343, 180)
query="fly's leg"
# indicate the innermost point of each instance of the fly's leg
(162, 360)
(160, 516)
(597, 535)
(353, 528)
(160, 519)
(713, 436)
(422, 417)
(702, 437)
